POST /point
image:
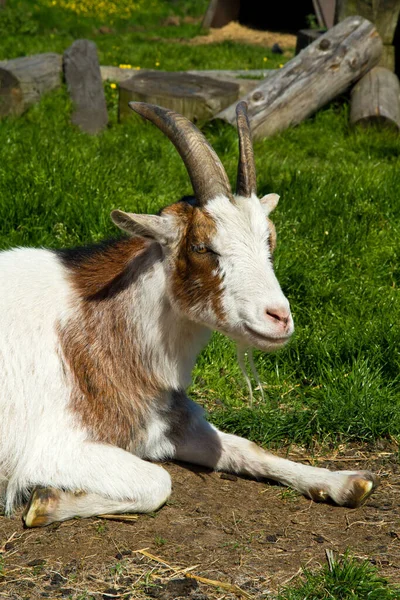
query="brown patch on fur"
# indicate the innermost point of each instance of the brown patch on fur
(106, 269)
(111, 385)
(272, 236)
(194, 283)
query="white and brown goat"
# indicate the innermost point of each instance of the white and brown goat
(97, 347)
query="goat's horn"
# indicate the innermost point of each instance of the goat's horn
(205, 170)
(246, 178)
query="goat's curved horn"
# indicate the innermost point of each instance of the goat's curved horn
(246, 178)
(205, 170)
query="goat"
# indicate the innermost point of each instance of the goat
(98, 345)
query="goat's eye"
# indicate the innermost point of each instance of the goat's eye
(200, 249)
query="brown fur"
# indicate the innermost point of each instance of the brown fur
(272, 236)
(194, 282)
(112, 388)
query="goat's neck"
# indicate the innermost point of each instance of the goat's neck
(126, 324)
(169, 342)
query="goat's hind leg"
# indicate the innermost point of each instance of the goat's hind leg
(47, 505)
(207, 446)
(99, 479)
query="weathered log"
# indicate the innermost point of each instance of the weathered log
(83, 78)
(375, 100)
(23, 81)
(197, 98)
(318, 74)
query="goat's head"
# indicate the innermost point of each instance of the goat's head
(218, 246)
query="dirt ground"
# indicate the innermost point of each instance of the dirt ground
(251, 537)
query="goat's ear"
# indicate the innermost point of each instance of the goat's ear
(152, 227)
(269, 203)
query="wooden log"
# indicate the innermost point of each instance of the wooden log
(23, 81)
(375, 100)
(197, 98)
(314, 77)
(83, 78)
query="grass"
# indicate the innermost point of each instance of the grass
(137, 36)
(338, 226)
(346, 579)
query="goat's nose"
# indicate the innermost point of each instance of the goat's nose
(279, 315)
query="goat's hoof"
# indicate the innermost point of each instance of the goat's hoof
(353, 491)
(318, 495)
(361, 487)
(41, 507)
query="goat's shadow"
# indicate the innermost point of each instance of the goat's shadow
(202, 472)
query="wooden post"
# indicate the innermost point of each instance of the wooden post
(23, 81)
(221, 12)
(314, 77)
(83, 77)
(375, 100)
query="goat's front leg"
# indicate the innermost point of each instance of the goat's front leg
(205, 445)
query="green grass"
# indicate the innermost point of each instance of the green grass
(348, 579)
(142, 39)
(338, 232)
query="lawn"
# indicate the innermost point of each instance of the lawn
(338, 221)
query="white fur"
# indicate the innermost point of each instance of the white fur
(250, 285)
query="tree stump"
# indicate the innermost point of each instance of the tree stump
(195, 97)
(85, 86)
(375, 100)
(23, 81)
(245, 79)
(323, 70)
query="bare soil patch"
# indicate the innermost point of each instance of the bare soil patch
(233, 530)
(239, 33)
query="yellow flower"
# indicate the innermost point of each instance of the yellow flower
(265, 59)
(113, 86)
(157, 63)
(280, 66)
(125, 66)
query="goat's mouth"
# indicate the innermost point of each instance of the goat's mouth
(271, 341)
